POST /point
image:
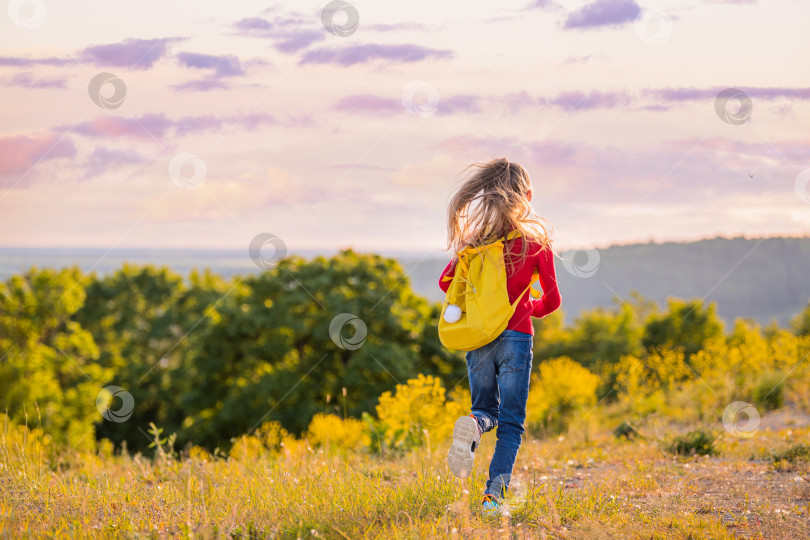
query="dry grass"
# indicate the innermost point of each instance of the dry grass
(577, 487)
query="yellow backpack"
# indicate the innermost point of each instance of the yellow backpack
(476, 307)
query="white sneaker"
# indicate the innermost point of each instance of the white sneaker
(466, 436)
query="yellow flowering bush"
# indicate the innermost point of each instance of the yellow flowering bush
(418, 412)
(560, 389)
(333, 432)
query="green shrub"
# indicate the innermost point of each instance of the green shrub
(769, 393)
(798, 453)
(697, 442)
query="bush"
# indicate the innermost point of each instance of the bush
(697, 442)
(794, 454)
(415, 411)
(560, 389)
(769, 393)
(331, 431)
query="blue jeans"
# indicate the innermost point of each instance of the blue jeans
(499, 383)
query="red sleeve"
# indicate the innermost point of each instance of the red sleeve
(551, 299)
(449, 271)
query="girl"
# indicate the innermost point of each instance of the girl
(492, 202)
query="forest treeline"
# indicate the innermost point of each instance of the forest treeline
(310, 347)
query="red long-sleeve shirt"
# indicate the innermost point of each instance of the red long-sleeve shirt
(538, 259)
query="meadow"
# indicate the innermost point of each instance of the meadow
(141, 404)
(581, 485)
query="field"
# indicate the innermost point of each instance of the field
(581, 485)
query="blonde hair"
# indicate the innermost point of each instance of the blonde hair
(489, 204)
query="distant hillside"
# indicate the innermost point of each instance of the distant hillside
(762, 279)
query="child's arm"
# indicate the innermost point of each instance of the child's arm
(551, 299)
(449, 272)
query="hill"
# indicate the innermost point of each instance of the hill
(763, 279)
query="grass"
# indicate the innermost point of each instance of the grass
(578, 486)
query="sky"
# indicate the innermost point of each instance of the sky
(202, 124)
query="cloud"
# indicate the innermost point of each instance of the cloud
(459, 104)
(202, 85)
(19, 61)
(147, 127)
(27, 80)
(294, 41)
(603, 13)
(159, 126)
(545, 5)
(131, 53)
(517, 101)
(665, 96)
(289, 33)
(358, 54)
(369, 103)
(591, 100)
(103, 159)
(663, 173)
(19, 154)
(221, 66)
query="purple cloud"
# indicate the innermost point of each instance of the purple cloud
(27, 80)
(518, 101)
(294, 41)
(148, 126)
(369, 103)
(18, 61)
(546, 5)
(222, 66)
(591, 100)
(253, 120)
(103, 159)
(19, 154)
(131, 53)
(358, 54)
(202, 85)
(159, 126)
(197, 124)
(694, 94)
(603, 13)
(459, 104)
(253, 24)
(290, 33)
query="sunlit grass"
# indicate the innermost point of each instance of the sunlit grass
(584, 485)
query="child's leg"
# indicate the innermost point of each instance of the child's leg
(467, 431)
(514, 366)
(482, 373)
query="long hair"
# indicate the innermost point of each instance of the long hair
(490, 203)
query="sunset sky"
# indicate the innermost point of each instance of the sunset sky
(330, 141)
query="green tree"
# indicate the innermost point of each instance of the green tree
(686, 325)
(48, 371)
(145, 321)
(269, 354)
(801, 323)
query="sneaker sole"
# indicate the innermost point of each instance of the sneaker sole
(460, 457)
